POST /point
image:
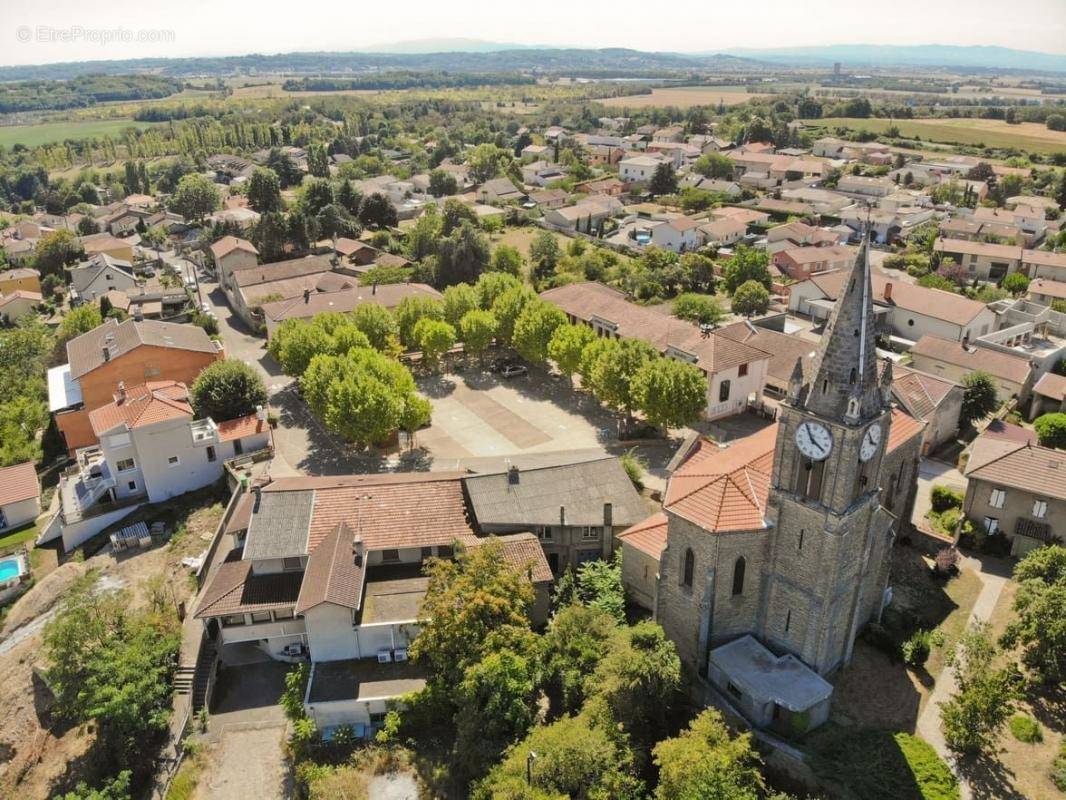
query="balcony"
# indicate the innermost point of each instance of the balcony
(85, 490)
(204, 432)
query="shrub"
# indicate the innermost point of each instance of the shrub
(944, 497)
(1058, 768)
(634, 465)
(1026, 729)
(1051, 430)
(949, 521)
(915, 650)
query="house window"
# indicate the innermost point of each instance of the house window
(390, 555)
(211, 456)
(997, 498)
(733, 690)
(445, 551)
(427, 552)
(723, 391)
(742, 370)
(590, 533)
(238, 447)
(377, 718)
(282, 613)
(233, 620)
(173, 461)
(544, 533)
(738, 576)
(260, 616)
(688, 568)
(584, 556)
(131, 485)
(291, 564)
(991, 525)
(125, 465)
(1040, 508)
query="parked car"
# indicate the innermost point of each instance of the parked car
(513, 370)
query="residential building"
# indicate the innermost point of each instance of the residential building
(680, 235)
(17, 305)
(20, 279)
(130, 352)
(1049, 395)
(642, 546)
(20, 496)
(784, 351)
(865, 187)
(576, 510)
(736, 372)
(1016, 489)
(231, 254)
(549, 198)
(799, 263)
(1046, 291)
(287, 279)
(955, 360)
(343, 301)
(106, 244)
(640, 168)
(585, 217)
(99, 275)
(930, 399)
(1044, 264)
(984, 261)
(500, 190)
(721, 232)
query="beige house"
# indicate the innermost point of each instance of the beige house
(1046, 291)
(1017, 489)
(984, 261)
(954, 361)
(18, 304)
(20, 496)
(933, 400)
(1049, 395)
(231, 254)
(1044, 264)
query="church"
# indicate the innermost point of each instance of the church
(773, 551)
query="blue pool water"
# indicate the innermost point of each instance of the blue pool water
(9, 568)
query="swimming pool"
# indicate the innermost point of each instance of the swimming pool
(10, 568)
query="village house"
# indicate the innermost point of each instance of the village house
(99, 275)
(1016, 489)
(722, 232)
(639, 169)
(130, 352)
(954, 360)
(343, 301)
(18, 304)
(865, 187)
(230, 254)
(20, 496)
(680, 235)
(585, 217)
(799, 263)
(20, 278)
(1049, 395)
(736, 372)
(986, 262)
(784, 351)
(1046, 291)
(930, 399)
(282, 280)
(1044, 264)
(576, 510)
(500, 190)
(150, 449)
(106, 244)
(549, 198)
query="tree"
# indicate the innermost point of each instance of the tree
(295, 343)
(264, 191)
(750, 298)
(567, 345)
(333, 220)
(985, 695)
(458, 300)
(55, 251)
(576, 640)
(713, 165)
(544, 254)
(747, 264)
(462, 257)
(506, 258)
(698, 272)
(377, 323)
(475, 604)
(664, 180)
(228, 389)
(1040, 608)
(491, 285)
(362, 408)
(1016, 283)
(409, 311)
(195, 198)
(979, 397)
(478, 328)
(487, 161)
(612, 374)
(698, 308)
(669, 393)
(377, 211)
(434, 338)
(1051, 429)
(454, 214)
(79, 320)
(117, 788)
(507, 307)
(533, 330)
(270, 235)
(704, 762)
(317, 160)
(442, 183)
(934, 280)
(1055, 122)
(284, 167)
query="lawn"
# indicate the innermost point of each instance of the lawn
(978, 132)
(878, 765)
(684, 97)
(12, 541)
(48, 132)
(521, 237)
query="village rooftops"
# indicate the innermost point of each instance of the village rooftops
(966, 247)
(227, 244)
(86, 352)
(648, 536)
(1035, 469)
(785, 680)
(283, 270)
(1042, 286)
(1051, 386)
(783, 349)
(919, 392)
(346, 299)
(363, 679)
(984, 359)
(138, 406)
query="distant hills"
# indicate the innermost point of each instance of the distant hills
(924, 55)
(474, 55)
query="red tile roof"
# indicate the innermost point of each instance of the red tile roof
(904, 428)
(333, 574)
(227, 244)
(236, 590)
(239, 428)
(18, 482)
(523, 550)
(142, 405)
(1051, 385)
(920, 392)
(649, 536)
(1049, 288)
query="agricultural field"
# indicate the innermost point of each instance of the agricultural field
(685, 96)
(981, 132)
(48, 132)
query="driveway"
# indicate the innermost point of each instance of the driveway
(934, 473)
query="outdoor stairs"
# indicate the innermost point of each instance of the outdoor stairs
(201, 679)
(183, 680)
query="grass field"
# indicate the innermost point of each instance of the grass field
(985, 132)
(684, 97)
(46, 133)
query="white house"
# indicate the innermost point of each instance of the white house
(638, 169)
(680, 235)
(20, 496)
(99, 275)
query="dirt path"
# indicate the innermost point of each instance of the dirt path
(246, 764)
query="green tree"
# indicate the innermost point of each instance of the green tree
(462, 257)
(284, 167)
(567, 345)
(478, 328)
(454, 213)
(664, 180)
(1055, 122)
(506, 258)
(747, 264)
(612, 375)
(475, 604)
(348, 197)
(714, 165)
(195, 198)
(698, 308)
(118, 788)
(442, 183)
(264, 191)
(669, 393)
(270, 235)
(316, 194)
(409, 311)
(491, 285)
(544, 254)
(362, 408)
(377, 211)
(487, 161)
(1039, 626)
(704, 762)
(332, 220)
(56, 250)
(458, 300)
(1051, 430)
(979, 397)
(984, 697)
(227, 389)
(79, 320)
(377, 322)
(422, 237)
(534, 328)
(934, 280)
(317, 160)
(434, 338)
(577, 638)
(508, 306)
(750, 298)
(346, 336)
(294, 345)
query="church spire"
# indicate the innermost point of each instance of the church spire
(844, 378)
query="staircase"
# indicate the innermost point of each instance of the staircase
(203, 674)
(183, 679)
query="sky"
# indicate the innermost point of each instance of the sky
(36, 32)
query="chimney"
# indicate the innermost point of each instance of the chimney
(260, 416)
(357, 550)
(888, 292)
(120, 395)
(307, 295)
(512, 475)
(562, 515)
(608, 515)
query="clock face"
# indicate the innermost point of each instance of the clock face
(814, 441)
(870, 442)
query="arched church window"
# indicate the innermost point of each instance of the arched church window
(738, 576)
(688, 568)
